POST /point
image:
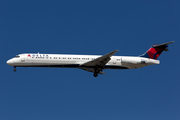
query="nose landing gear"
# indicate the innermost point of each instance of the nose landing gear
(14, 69)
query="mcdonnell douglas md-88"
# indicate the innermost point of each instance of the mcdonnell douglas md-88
(91, 63)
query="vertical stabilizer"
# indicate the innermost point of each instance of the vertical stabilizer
(155, 51)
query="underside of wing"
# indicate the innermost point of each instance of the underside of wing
(92, 70)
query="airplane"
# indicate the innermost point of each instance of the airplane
(92, 63)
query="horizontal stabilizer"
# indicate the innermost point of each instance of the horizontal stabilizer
(161, 45)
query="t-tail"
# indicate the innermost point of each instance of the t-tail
(155, 51)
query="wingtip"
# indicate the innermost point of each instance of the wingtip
(115, 51)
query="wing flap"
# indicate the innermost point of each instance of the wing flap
(92, 70)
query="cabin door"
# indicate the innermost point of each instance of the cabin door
(114, 61)
(22, 59)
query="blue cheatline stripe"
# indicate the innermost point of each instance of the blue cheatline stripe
(76, 66)
(145, 55)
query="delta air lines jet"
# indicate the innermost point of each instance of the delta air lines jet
(91, 63)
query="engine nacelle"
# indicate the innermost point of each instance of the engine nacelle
(133, 61)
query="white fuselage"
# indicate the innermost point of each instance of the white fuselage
(75, 61)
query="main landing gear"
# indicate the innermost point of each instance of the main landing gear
(95, 74)
(14, 69)
(96, 71)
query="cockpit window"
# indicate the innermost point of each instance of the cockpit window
(17, 56)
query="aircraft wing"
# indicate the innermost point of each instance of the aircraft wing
(101, 61)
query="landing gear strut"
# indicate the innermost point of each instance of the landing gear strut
(14, 69)
(96, 71)
(95, 74)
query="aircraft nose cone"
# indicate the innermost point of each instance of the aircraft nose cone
(9, 62)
